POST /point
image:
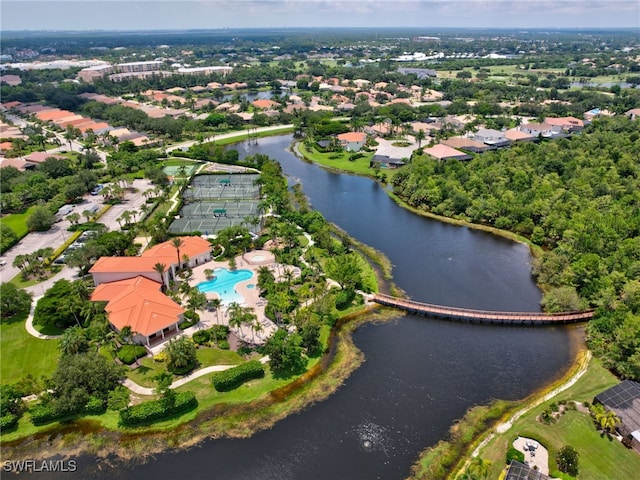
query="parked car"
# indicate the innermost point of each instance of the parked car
(97, 189)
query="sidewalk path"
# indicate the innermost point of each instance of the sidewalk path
(140, 390)
(29, 324)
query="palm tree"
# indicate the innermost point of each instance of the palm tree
(256, 327)
(177, 242)
(160, 268)
(480, 467)
(73, 341)
(420, 136)
(216, 303)
(234, 310)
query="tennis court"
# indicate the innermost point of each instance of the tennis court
(179, 171)
(231, 186)
(215, 202)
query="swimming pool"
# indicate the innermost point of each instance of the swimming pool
(224, 284)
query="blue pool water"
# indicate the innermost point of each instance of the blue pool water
(224, 284)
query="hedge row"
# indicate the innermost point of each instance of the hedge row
(154, 410)
(236, 376)
(43, 413)
(130, 353)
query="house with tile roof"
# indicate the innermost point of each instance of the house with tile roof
(444, 152)
(139, 303)
(352, 141)
(133, 288)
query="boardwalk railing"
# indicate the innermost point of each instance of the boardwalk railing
(484, 316)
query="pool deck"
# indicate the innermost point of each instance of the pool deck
(250, 295)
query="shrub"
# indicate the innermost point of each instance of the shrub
(154, 410)
(236, 376)
(8, 421)
(344, 299)
(94, 406)
(182, 370)
(190, 319)
(42, 413)
(223, 344)
(130, 353)
(201, 337)
(514, 454)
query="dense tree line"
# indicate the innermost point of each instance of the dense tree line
(579, 199)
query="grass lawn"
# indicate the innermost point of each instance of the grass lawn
(600, 457)
(359, 166)
(18, 222)
(22, 354)
(243, 135)
(207, 356)
(20, 283)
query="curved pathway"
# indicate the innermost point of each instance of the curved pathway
(29, 324)
(140, 390)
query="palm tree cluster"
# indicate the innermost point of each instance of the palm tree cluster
(239, 316)
(605, 420)
(34, 263)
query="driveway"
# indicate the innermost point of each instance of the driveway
(385, 147)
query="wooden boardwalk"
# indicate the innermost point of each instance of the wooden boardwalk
(484, 316)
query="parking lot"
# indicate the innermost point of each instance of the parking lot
(58, 234)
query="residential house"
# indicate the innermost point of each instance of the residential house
(491, 137)
(265, 104)
(624, 400)
(468, 144)
(568, 124)
(520, 471)
(352, 141)
(634, 113)
(541, 130)
(444, 152)
(516, 135)
(385, 161)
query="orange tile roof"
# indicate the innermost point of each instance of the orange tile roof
(352, 137)
(138, 303)
(126, 264)
(162, 253)
(264, 103)
(53, 114)
(192, 246)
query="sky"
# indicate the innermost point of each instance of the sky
(184, 14)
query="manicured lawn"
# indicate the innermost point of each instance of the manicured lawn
(18, 222)
(22, 354)
(208, 356)
(143, 375)
(600, 457)
(148, 369)
(359, 166)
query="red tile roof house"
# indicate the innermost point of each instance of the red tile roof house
(352, 141)
(132, 288)
(138, 303)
